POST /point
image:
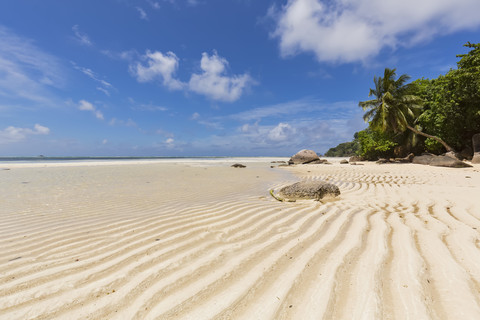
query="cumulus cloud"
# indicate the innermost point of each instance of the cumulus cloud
(286, 127)
(87, 106)
(81, 37)
(213, 82)
(158, 66)
(16, 134)
(281, 132)
(355, 30)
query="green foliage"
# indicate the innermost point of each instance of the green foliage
(452, 101)
(433, 146)
(446, 110)
(375, 144)
(346, 149)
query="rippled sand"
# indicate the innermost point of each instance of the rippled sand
(206, 241)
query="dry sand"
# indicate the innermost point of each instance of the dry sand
(201, 240)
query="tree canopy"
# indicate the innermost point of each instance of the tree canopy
(444, 112)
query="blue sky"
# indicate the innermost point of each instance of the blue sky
(209, 77)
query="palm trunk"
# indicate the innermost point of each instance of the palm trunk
(432, 137)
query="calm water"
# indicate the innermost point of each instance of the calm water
(68, 159)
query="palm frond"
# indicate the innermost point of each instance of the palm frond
(394, 107)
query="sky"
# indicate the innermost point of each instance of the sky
(209, 77)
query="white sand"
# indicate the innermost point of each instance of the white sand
(201, 240)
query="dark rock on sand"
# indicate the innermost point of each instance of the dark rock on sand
(278, 162)
(304, 156)
(344, 161)
(319, 161)
(238, 165)
(309, 190)
(440, 161)
(476, 148)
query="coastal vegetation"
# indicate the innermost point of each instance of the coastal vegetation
(346, 149)
(433, 115)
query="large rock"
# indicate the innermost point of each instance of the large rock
(304, 156)
(355, 159)
(440, 161)
(309, 190)
(466, 153)
(476, 148)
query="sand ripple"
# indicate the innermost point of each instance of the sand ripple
(128, 242)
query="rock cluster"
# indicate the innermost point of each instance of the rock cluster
(407, 159)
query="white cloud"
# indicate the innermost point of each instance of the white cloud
(304, 106)
(355, 30)
(249, 128)
(98, 114)
(128, 55)
(105, 86)
(38, 129)
(214, 84)
(282, 138)
(158, 66)
(193, 2)
(26, 71)
(154, 4)
(195, 116)
(117, 122)
(107, 93)
(216, 125)
(143, 14)
(284, 127)
(281, 132)
(87, 106)
(164, 133)
(81, 37)
(15, 134)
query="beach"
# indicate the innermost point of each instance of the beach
(198, 239)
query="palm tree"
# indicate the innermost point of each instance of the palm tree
(394, 107)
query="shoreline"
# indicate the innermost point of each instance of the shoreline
(109, 162)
